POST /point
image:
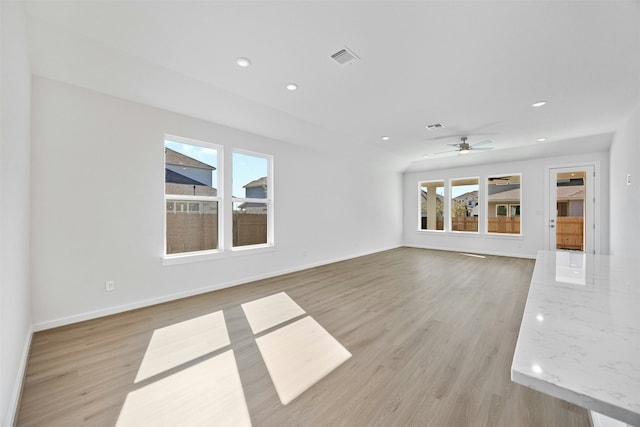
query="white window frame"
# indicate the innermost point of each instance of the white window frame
(449, 217)
(181, 257)
(268, 201)
(508, 206)
(445, 205)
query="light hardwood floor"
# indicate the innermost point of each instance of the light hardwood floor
(431, 334)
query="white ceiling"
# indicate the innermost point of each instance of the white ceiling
(475, 66)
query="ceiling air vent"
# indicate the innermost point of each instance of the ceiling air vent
(344, 56)
(435, 126)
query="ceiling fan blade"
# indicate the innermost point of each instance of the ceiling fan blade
(485, 142)
(481, 148)
(448, 151)
(454, 145)
(443, 154)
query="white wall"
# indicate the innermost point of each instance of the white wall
(534, 220)
(625, 199)
(15, 309)
(98, 207)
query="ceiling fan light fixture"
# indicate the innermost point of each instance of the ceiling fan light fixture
(385, 138)
(291, 86)
(464, 151)
(538, 104)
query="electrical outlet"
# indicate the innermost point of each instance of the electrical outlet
(109, 285)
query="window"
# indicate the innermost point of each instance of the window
(431, 202)
(252, 199)
(464, 204)
(503, 199)
(191, 196)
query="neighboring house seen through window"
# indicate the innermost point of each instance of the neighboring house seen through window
(191, 196)
(252, 199)
(464, 204)
(500, 205)
(431, 203)
(503, 204)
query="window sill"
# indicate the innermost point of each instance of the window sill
(252, 249)
(188, 257)
(505, 236)
(474, 234)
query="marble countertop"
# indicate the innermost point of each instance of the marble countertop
(580, 334)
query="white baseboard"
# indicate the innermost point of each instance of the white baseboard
(14, 398)
(171, 297)
(467, 251)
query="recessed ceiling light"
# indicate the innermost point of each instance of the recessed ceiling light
(292, 86)
(385, 138)
(539, 104)
(243, 62)
(542, 139)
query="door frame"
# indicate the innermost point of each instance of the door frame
(595, 226)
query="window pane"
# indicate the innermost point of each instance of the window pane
(190, 169)
(187, 232)
(249, 223)
(464, 204)
(504, 204)
(249, 176)
(432, 205)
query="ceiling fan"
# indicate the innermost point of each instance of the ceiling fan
(463, 147)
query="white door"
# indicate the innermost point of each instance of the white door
(572, 208)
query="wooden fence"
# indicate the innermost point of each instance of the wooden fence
(189, 232)
(504, 224)
(464, 223)
(570, 233)
(249, 229)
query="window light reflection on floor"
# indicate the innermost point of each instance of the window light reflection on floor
(210, 392)
(299, 355)
(267, 312)
(207, 394)
(182, 342)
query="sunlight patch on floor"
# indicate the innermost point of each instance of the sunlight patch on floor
(207, 394)
(182, 342)
(267, 312)
(299, 355)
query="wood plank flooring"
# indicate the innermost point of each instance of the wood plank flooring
(431, 334)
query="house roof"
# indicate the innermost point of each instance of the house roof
(174, 158)
(260, 182)
(171, 177)
(505, 196)
(575, 192)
